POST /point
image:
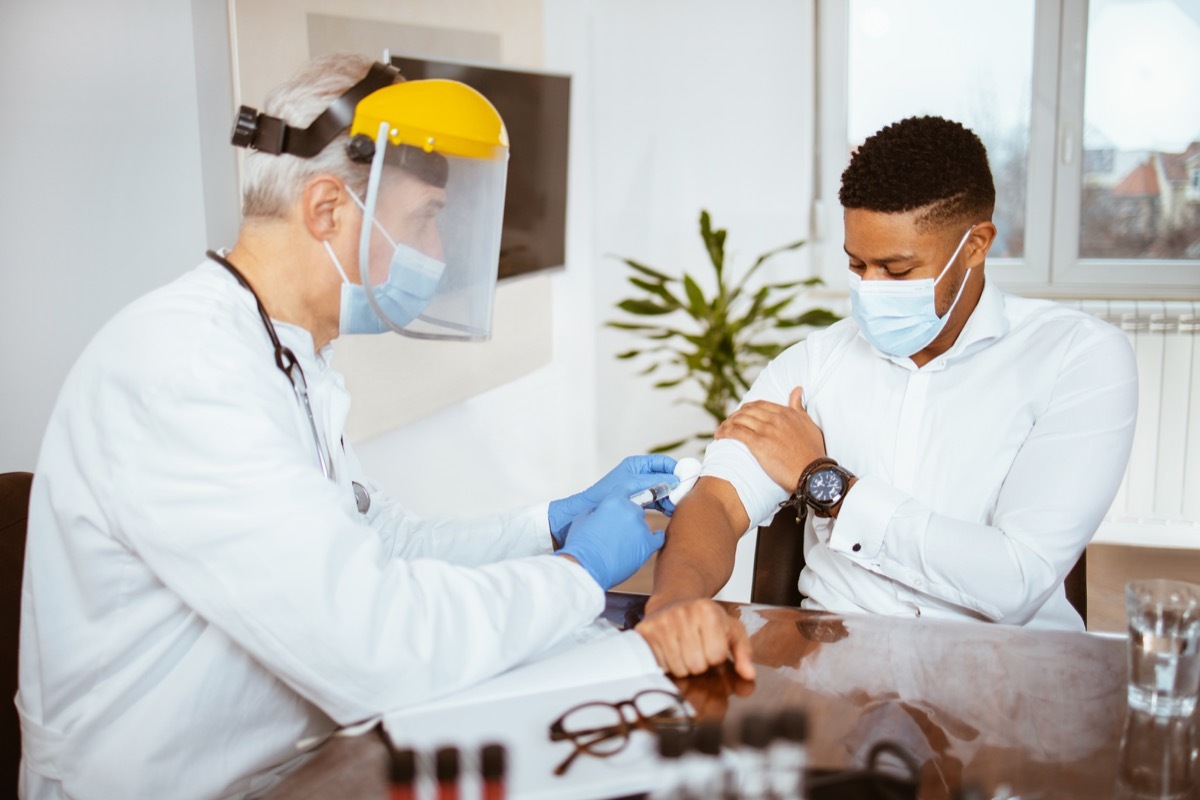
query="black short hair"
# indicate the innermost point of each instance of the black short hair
(922, 163)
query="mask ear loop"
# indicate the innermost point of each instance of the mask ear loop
(957, 250)
(962, 286)
(378, 225)
(336, 262)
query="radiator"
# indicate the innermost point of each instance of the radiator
(1158, 503)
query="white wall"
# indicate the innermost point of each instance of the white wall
(105, 197)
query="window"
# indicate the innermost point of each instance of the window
(1089, 112)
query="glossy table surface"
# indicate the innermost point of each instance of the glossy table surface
(1005, 710)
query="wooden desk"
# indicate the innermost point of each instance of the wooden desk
(978, 705)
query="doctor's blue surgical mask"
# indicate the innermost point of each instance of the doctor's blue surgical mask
(412, 281)
(899, 317)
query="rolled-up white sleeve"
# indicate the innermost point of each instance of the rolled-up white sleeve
(732, 461)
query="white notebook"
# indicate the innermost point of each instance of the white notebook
(516, 708)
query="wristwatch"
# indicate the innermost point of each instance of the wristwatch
(822, 486)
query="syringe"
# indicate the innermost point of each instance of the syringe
(655, 493)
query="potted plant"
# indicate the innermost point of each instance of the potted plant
(725, 338)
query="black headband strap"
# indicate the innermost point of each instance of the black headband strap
(268, 134)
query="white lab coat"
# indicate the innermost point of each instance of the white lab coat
(198, 597)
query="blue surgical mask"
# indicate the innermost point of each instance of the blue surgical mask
(412, 281)
(899, 317)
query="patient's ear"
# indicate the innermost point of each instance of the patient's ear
(979, 242)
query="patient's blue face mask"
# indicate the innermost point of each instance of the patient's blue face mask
(412, 281)
(899, 317)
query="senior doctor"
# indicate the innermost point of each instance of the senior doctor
(210, 578)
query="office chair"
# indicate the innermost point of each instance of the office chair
(14, 512)
(779, 557)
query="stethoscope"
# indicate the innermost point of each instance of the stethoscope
(289, 365)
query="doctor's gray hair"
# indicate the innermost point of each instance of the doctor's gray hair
(272, 183)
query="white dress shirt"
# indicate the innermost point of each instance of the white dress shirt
(981, 476)
(198, 597)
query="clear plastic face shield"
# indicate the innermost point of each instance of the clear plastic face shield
(430, 241)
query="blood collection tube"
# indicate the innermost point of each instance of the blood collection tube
(446, 770)
(493, 769)
(402, 774)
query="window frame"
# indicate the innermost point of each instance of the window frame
(1051, 266)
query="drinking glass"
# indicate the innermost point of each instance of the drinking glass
(1164, 646)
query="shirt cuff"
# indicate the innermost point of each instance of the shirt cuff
(544, 540)
(864, 517)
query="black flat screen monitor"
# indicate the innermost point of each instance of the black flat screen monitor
(535, 107)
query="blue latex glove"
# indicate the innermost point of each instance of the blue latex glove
(612, 541)
(629, 477)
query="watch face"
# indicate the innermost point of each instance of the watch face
(826, 486)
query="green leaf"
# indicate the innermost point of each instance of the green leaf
(669, 384)
(632, 326)
(629, 354)
(645, 285)
(697, 303)
(753, 311)
(643, 307)
(767, 350)
(649, 369)
(658, 290)
(642, 268)
(809, 282)
(663, 448)
(714, 242)
(772, 311)
(816, 317)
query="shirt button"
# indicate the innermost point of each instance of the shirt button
(856, 548)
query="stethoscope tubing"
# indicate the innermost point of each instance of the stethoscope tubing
(286, 361)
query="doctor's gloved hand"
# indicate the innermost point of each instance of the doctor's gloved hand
(631, 476)
(612, 541)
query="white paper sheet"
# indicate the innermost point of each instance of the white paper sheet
(517, 707)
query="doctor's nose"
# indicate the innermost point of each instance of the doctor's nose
(430, 243)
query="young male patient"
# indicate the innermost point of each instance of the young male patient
(958, 445)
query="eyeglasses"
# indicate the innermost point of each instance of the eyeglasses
(602, 729)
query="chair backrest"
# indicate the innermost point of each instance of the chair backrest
(1076, 586)
(14, 513)
(779, 557)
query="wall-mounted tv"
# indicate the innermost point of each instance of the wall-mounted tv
(535, 107)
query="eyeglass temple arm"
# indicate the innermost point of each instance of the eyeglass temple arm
(603, 734)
